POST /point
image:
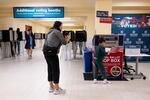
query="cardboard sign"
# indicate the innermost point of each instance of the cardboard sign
(113, 62)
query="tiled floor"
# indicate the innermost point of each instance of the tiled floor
(23, 79)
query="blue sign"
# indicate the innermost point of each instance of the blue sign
(38, 12)
(136, 28)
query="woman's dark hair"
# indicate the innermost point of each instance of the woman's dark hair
(29, 30)
(10, 28)
(57, 25)
(18, 30)
(101, 40)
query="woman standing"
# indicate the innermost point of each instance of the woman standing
(12, 42)
(51, 49)
(19, 38)
(30, 43)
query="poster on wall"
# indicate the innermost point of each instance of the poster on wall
(136, 28)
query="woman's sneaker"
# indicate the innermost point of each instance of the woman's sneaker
(60, 91)
(29, 57)
(106, 81)
(51, 90)
(95, 81)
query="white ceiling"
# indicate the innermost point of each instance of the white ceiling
(67, 21)
(71, 7)
(66, 3)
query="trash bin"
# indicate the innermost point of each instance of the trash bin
(87, 60)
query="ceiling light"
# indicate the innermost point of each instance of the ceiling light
(68, 24)
(58, 19)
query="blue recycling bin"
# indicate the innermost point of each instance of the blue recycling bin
(87, 60)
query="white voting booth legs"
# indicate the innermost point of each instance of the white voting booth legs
(66, 49)
(75, 45)
(69, 51)
(5, 50)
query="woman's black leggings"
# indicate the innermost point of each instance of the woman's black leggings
(53, 67)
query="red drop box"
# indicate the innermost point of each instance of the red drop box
(113, 62)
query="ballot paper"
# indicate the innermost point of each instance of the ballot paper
(107, 49)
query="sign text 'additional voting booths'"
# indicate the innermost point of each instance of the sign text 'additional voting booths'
(38, 12)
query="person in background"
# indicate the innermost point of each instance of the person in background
(51, 49)
(67, 49)
(30, 42)
(18, 41)
(74, 48)
(81, 47)
(12, 42)
(99, 55)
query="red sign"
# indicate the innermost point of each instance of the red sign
(106, 20)
(113, 62)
